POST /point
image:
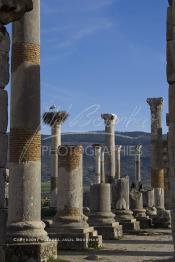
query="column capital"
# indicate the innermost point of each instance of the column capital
(138, 149)
(109, 118)
(97, 146)
(155, 102)
(12, 10)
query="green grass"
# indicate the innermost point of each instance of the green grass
(45, 187)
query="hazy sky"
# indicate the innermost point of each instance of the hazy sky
(103, 56)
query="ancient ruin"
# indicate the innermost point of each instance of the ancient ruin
(119, 204)
(69, 222)
(171, 113)
(118, 161)
(122, 206)
(157, 171)
(110, 121)
(54, 119)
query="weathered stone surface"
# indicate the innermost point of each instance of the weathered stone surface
(4, 181)
(26, 252)
(70, 222)
(171, 62)
(4, 56)
(138, 152)
(11, 10)
(3, 223)
(3, 110)
(120, 193)
(118, 161)
(149, 202)
(101, 217)
(122, 210)
(3, 149)
(110, 121)
(98, 150)
(3, 228)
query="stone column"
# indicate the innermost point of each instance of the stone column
(103, 177)
(118, 162)
(157, 171)
(101, 217)
(157, 174)
(56, 142)
(25, 229)
(166, 173)
(122, 209)
(110, 122)
(171, 114)
(4, 79)
(54, 119)
(149, 202)
(136, 205)
(69, 222)
(138, 152)
(98, 153)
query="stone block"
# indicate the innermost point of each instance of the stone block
(131, 227)
(112, 231)
(3, 111)
(4, 177)
(76, 239)
(33, 252)
(3, 149)
(3, 225)
(170, 62)
(4, 56)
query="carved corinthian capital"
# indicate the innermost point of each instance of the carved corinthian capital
(12, 10)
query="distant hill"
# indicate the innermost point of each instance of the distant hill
(127, 139)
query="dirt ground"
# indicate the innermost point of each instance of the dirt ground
(153, 245)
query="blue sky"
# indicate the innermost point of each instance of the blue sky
(103, 56)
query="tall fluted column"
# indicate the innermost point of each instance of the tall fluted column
(98, 152)
(118, 162)
(110, 122)
(171, 115)
(138, 152)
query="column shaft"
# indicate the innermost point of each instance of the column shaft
(98, 150)
(56, 142)
(24, 218)
(118, 162)
(110, 121)
(138, 164)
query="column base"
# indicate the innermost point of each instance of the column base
(151, 211)
(126, 219)
(75, 238)
(3, 223)
(34, 252)
(3, 228)
(162, 219)
(113, 231)
(29, 231)
(140, 215)
(106, 226)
